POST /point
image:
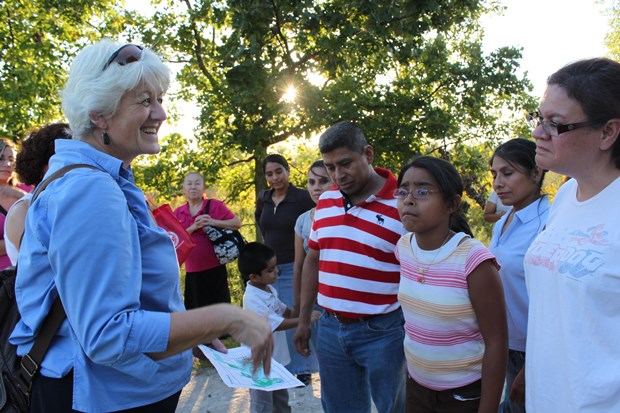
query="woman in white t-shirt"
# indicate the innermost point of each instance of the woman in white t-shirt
(572, 269)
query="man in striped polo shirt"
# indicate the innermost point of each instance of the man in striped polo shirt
(352, 272)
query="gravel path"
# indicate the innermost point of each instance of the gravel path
(206, 393)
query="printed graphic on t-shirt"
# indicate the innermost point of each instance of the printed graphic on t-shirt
(578, 254)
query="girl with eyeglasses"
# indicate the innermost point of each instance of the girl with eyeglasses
(572, 269)
(517, 180)
(451, 295)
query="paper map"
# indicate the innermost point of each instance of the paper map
(235, 369)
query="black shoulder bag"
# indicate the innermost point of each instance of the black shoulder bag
(226, 242)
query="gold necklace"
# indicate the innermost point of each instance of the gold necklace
(421, 271)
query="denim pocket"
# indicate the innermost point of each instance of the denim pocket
(387, 322)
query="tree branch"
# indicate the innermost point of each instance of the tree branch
(198, 51)
(239, 161)
(277, 30)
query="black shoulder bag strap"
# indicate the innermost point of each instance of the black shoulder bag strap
(30, 362)
(207, 207)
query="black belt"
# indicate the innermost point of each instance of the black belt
(350, 320)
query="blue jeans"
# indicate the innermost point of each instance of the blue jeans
(299, 364)
(516, 361)
(362, 360)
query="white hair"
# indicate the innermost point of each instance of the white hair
(92, 90)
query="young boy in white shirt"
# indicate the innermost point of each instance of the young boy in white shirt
(257, 264)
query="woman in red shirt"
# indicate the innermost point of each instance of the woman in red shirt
(206, 280)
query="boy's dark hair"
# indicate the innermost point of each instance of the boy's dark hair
(253, 259)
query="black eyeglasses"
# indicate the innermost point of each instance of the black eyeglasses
(552, 128)
(124, 55)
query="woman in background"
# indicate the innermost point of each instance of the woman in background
(10, 192)
(31, 164)
(277, 210)
(318, 182)
(517, 180)
(206, 280)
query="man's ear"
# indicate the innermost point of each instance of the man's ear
(98, 120)
(369, 153)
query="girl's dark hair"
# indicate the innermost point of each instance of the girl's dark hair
(253, 259)
(520, 154)
(275, 158)
(37, 149)
(317, 164)
(595, 84)
(449, 183)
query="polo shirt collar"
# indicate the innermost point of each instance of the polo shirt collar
(533, 210)
(386, 192)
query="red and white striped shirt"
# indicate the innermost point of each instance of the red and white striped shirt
(358, 272)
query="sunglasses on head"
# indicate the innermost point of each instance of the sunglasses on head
(124, 55)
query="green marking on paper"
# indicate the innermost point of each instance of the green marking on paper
(245, 368)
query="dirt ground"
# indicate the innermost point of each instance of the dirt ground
(206, 393)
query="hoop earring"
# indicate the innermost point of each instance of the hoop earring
(106, 137)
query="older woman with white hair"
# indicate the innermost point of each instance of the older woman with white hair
(90, 239)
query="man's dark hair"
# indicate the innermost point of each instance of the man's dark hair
(342, 135)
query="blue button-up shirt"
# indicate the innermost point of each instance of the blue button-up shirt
(509, 248)
(89, 238)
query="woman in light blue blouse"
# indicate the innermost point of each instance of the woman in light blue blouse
(517, 181)
(90, 239)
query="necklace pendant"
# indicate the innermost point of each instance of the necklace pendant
(421, 270)
(421, 279)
